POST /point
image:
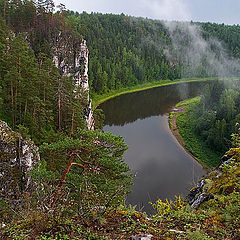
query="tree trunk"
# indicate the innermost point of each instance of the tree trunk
(12, 104)
(4, 10)
(59, 111)
(34, 112)
(25, 109)
(64, 175)
(72, 127)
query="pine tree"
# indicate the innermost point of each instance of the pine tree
(20, 80)
(90, 161)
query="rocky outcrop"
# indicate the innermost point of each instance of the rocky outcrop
(17, 157)
(81, 81)
(206, 188)
(71, 58)
(199, 194)
(142, 237)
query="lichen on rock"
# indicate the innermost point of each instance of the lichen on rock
(17, 157)
(217, 181)
(71, 58)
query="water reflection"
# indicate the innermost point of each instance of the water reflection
(157, 101)
(161, 166)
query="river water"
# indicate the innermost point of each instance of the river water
(161, 166)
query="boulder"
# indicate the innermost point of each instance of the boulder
(17, 157)
(142, 237)
(202, 192)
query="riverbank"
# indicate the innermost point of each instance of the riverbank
(182, 122)
(98, 99)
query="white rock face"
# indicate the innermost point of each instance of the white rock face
(81, 63)
(89, 116)
(17, 157)
(81, 81)
(73, 61)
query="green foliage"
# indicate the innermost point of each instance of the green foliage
(125, 54)
(102, 183)
(217, 114)
(121, 53)
(30, 84)
(235, 137)
(196, 235)
(171, 115)
(128, 51)
(24, 131)
(208, 124)
(40, 103)
(187, 123)
(165, 208)
(99, 118)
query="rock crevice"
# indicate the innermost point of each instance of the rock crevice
(203, 191)
(71, 58)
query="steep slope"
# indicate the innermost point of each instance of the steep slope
(126, 51)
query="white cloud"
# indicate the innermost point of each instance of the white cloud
(182, 10)
(167, 9)
(158, 9)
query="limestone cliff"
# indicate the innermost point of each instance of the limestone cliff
(71, 58)
(81, 81)
(17, 157)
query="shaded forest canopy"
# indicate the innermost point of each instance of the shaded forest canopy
(125, 50)
(39, 100)
(82, 179)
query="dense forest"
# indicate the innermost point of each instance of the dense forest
(126, 51)
(39, 101)
(210, 121)
(218, 114)
(81, 182)
(30, 81)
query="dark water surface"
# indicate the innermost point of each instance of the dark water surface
(161, 166)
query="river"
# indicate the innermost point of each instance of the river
(161, 166)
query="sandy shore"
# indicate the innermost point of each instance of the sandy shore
(175, 131)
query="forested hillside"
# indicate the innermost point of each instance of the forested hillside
(71, 183)
(76, 170)
(34, 94)
(218, 114)
(126, 51)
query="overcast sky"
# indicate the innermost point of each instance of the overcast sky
(220, 11)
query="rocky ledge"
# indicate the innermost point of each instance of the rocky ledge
(215, 181)
(17, 157)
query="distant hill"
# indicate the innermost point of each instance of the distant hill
(125, 50)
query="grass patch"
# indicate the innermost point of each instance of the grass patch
(186, 121)
(100, 98)
(188, 102)
(170, 117)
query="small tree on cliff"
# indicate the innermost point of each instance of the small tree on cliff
(91, 170)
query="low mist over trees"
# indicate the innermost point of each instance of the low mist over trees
(126, 51)
(218, 114)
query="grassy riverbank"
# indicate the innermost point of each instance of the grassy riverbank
(98, 99)
(185, 122)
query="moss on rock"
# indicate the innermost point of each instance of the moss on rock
(17, 157)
